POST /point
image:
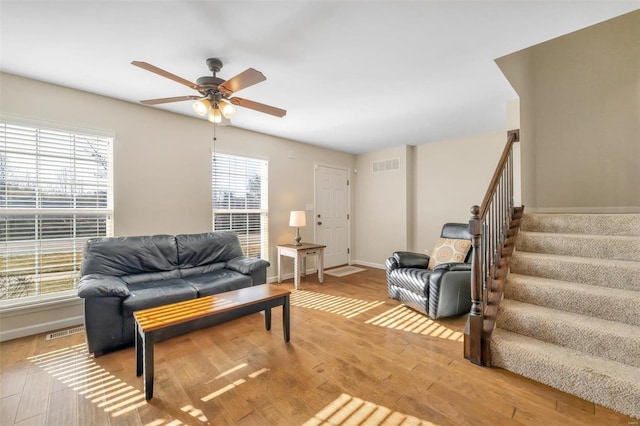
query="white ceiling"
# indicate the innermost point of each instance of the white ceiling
(354, 76)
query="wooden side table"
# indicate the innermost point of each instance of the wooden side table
(299, 255)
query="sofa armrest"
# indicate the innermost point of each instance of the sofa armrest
(449, 290)
(97, 285)
(407, 259)
(246, 265)
(435, 279)
(454, 266)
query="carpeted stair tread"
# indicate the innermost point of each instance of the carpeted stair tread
(594, 224)
(617, 247)
(570, 317)
(605, 382)
(607, 339)
(623, 274)
(595, 301)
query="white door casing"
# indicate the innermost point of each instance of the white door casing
(331, 217)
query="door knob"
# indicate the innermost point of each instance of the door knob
(319, 223)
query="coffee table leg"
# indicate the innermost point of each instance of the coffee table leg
(139, 362)
(267, 318)
(147, 342)
(285, 319)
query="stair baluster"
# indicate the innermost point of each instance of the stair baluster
(489, 227)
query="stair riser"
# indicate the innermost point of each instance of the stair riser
(598, 248)
(627, 309)
(570, 317)
(606, 224)
(585, 383)
(603, 343)
(573, 270)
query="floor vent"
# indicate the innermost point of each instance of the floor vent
(65, 333)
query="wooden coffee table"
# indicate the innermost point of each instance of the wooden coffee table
(251, 300)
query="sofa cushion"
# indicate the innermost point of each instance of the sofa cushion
(415, 280)
(204, 269)
(150, 276)
(156, 293)
(218, 281)
(449, 250)
(119, 256)
(203, 249)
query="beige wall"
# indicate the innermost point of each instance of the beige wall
(162, 171)
(381, 206)
(451, 176)
(580, 113)
(437, 183)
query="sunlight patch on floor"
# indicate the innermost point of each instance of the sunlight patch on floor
(344, 306)
(347, 410)
(235, 384)
(406, 319)
(77, 369)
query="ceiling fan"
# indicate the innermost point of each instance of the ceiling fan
(215, 93)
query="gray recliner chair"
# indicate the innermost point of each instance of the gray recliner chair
(442, 292)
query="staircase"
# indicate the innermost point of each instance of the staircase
(570, 317)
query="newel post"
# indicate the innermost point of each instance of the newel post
(476, 315)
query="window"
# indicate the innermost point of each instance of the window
(240, 201)
(55, 193)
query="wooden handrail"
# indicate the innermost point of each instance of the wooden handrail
(489, 226)
(512, 137)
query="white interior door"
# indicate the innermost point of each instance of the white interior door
(332, 214)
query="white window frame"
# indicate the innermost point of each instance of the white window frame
(224, 180)
(39, 144)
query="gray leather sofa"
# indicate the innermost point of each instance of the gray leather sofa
(442, 292)
(120, 275)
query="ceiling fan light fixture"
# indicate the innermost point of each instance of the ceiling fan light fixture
(227, 109)
(213, 92)
(202, 106)
(215, 116)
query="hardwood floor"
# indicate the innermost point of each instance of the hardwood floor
(355, 357)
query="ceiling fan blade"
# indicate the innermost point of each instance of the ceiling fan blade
(241, 81)
(167, 100)
(166, 74)
(257, 106)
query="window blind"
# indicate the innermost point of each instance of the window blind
(239, 195)
(55, 193)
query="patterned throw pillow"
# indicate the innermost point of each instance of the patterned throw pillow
(448, 250)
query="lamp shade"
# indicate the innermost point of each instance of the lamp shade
(214, 115)
(202, 106)
(298, 218)
(227, 109)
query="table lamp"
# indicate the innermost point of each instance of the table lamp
(297, 219)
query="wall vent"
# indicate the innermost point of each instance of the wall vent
(65, 333)
(385, 165)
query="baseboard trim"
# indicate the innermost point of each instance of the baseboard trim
(288, 276)
(40, 328)
(369, 264)
(584, 210)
